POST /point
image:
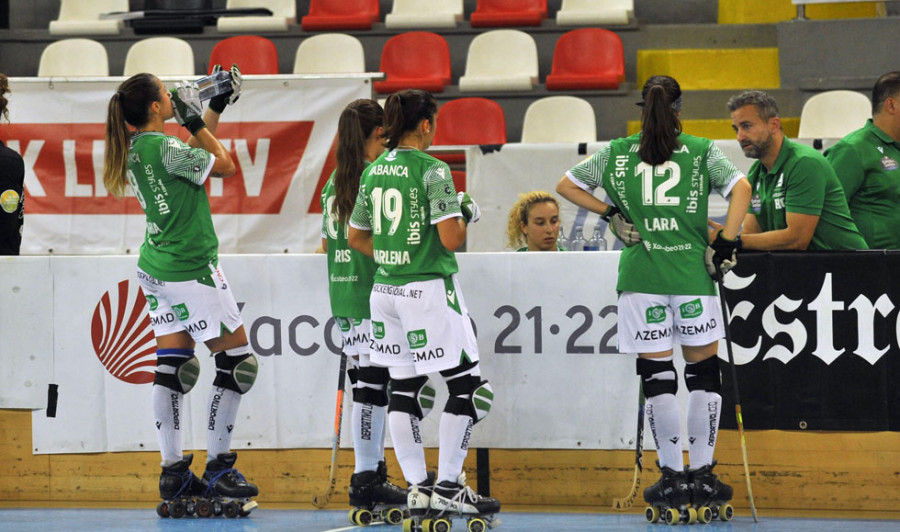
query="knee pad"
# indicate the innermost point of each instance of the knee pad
(353, 375)
(470, 395)
(371, 387)
(658, 376)
(704, 375)
(236, 372)
(177, 369)
(413, 396)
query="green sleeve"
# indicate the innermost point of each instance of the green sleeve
(848, 166)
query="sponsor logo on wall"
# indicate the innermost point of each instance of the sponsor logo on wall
(122, 336)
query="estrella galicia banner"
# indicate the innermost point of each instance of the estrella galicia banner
(816, 340)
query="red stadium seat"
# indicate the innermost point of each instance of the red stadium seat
(415, 60)
(589, 58)
(340, 15)
(467, 121)
(253, 54)
(495, 13)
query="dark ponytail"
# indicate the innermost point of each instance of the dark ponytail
(130, 104)
(355, 125)
(660, 125)
(404, 110)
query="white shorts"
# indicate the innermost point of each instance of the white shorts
(422, 324)
(649, 323)
(204, 307)
(357, 335)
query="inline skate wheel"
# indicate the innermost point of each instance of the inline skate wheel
(392, 516)
(726, 512)
(477, 524)
(652, 514)
(362, 517)
(177, 509)
(440, 525)
(673, 516)
(231, 510)
(204, 508)
(704, 514)
(691, 516)
(162, 509)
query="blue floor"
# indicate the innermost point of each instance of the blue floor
(73, 520)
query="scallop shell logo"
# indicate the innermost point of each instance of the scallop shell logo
(122, 335)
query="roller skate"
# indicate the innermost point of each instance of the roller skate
(418, 502)
(179, 489)
(227, 491)
(455, 499)
(670, 498)
(375, 499)
(709, 495)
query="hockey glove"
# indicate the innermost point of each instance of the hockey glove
(721, 256)
(470, 210)
(218, 103)
(188, 111)
(622, 228)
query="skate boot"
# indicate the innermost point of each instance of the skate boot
(455, 499)
(709, 495)
(179, 489)
(227, 490)
(375, 498)
(670, 498)
(418, 502)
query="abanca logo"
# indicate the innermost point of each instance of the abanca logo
(122, 335)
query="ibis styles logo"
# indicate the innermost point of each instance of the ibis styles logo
(122, 335)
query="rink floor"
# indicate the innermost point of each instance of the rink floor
(269, 520)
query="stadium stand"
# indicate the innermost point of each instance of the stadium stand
(415, 60)
(252, 53)
(163, 56)
(330, 53)
(76, 57)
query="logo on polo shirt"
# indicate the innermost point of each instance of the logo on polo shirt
(888, 163)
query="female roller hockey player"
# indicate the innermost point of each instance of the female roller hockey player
(410, 218)
(660, 179)
(187, 293)
(533, 223)
(351, 275)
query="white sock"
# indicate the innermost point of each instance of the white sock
(368, 435)
(703, 412)
(455, 432)
(223, 407)
(665, 424)
(168, 413)
(407, 437)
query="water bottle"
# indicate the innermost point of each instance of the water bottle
(597, 242)
(214, 84)
(578, 243)
(561, 241)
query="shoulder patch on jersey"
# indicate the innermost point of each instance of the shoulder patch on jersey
(9, 201)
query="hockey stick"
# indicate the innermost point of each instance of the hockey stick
(737, 397)
(320, 500)
(627, 501)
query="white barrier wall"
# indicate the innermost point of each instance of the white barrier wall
(546, 330)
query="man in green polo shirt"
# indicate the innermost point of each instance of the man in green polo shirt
(867, 163)
(798, 202)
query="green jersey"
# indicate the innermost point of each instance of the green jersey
(669, 205)
(350, 273)
(867, 163)
(802, 181)
(402, 196)
(167, 178)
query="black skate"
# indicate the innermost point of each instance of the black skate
(455, 499)
(227, 491)
(709, 495)
(179, 489)
(375, 499)
(418, 502)
(670, 498)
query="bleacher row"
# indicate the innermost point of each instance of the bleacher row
(588, 64)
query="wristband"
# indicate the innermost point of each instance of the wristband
(195, 125)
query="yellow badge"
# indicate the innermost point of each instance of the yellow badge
(9, 200)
